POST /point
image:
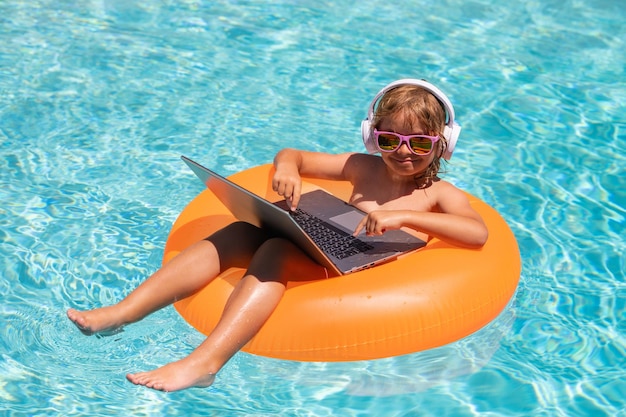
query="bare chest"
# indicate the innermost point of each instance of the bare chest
(368, 199)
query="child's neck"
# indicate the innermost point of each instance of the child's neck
(424, 180)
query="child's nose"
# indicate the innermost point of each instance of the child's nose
(404, 148)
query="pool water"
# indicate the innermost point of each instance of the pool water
(98, 100)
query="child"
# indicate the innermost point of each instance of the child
(412, 124)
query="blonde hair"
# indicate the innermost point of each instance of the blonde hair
(415, 105)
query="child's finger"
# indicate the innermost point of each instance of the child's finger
(360, 226)
(295, 196)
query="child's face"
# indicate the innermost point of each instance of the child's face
(402, 161)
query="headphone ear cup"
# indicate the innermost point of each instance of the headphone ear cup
(452, 136)
(368, 138)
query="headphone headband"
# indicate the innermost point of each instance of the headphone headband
(451, 130)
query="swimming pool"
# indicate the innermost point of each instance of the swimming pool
(98, 99)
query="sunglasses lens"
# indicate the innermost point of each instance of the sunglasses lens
(421, 146)
(388, 142)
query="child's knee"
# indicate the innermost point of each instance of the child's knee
(237, 243)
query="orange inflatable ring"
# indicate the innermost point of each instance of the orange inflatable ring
(426, 299)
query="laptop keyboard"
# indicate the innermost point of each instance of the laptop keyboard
(331, 239)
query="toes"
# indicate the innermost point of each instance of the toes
(79, 321)
(73, 315)
(134, 378)
(146, 379)
(142, 378)
(157, 386)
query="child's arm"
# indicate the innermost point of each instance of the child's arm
(291, 164)
(457, 223)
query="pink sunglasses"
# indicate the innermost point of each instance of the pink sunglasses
(418, 144)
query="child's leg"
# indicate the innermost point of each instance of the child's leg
(188, 272)
(252, 302)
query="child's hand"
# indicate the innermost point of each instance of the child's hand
(287, 183)
(378, 222)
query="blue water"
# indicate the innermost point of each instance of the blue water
(98, 99)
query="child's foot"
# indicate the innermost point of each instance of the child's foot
(174, 376)
(101, 320)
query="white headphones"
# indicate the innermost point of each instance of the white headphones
(450, 132)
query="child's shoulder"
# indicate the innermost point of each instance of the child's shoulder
(446, 193)
(441, 185)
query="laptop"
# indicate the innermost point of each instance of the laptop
(322, 226)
